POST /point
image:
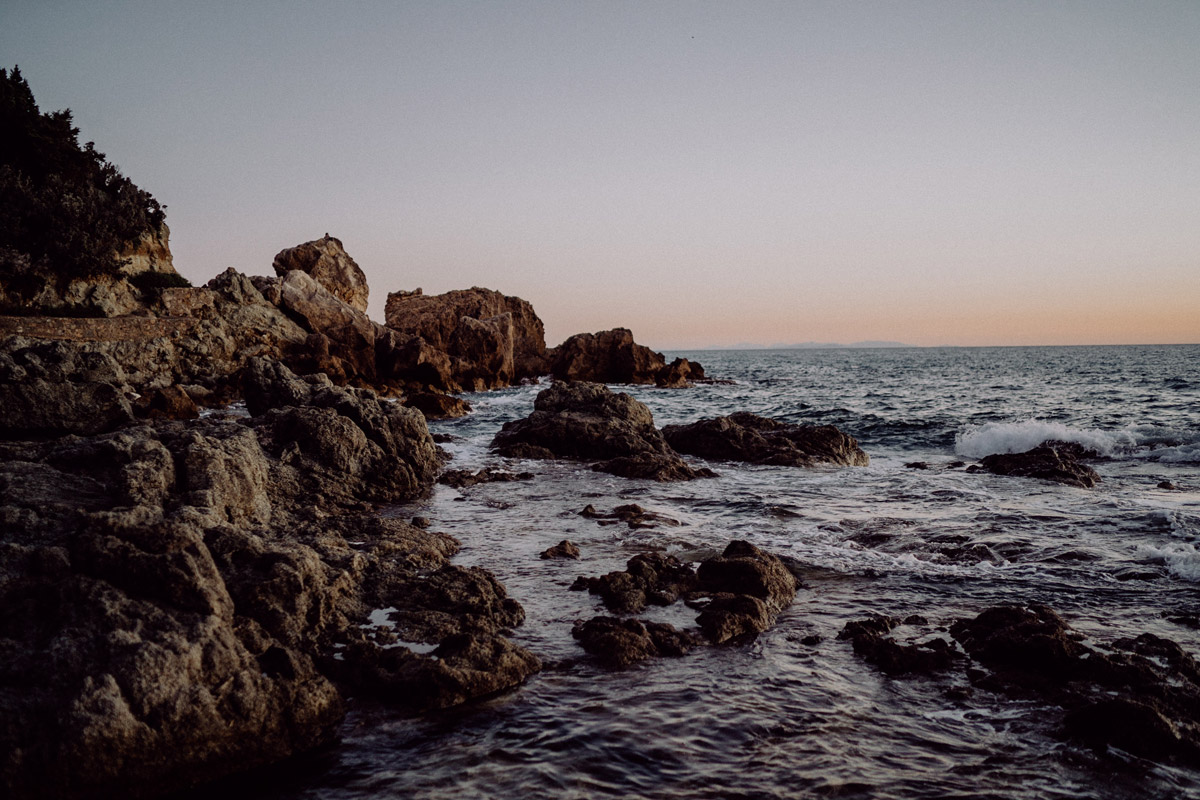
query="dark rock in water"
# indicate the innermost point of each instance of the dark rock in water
(1048, 463)
(1143, 696)
(745, 569)
(613, 357)
(1168, 485)
(728, 617)
(587, 421)
(917, 465)
(653, 467)
(464, 478)
(435, 405)
(648, 579)
(464, 666)
(421, 522)
(620, 643)
(872, 643)
(758, 440)
(632, 515)
(564, 549)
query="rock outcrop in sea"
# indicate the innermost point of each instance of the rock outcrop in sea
(587, 421)
(759, 440)
(614, 357)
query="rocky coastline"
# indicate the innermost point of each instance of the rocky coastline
(189, 590)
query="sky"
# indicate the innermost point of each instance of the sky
(935, 173)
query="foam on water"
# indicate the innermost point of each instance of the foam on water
(978, 441)
(1181, 560)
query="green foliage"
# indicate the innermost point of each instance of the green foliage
(159, 280)
(65, 211)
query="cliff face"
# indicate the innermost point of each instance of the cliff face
(510, 334)
(151, 253)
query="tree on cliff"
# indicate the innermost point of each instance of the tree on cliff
(65, 211)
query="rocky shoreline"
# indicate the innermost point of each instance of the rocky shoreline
(188, 592)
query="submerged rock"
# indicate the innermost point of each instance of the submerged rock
(587, 421)
(620, 643)
(614, 357)
(564, 549)
(464, 478)
(648, 579)
(758, 440)
(632, 515)
(1046, 462)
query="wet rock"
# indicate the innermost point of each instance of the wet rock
(620, 643)
(435, 405)
(759, 440)
(632, 515)
(1031, 639)
(1168, 485)
(730, 617)
(587, 421)
(872, 643)
(1046, 462)
(464, 478)
(463, 667)
(613, 357)
(329, 265)
(746, 570)
(917, 465)
(648, 579)
(564, 549)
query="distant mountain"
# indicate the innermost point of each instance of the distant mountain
(808, 345)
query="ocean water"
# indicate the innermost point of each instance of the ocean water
(782, 718)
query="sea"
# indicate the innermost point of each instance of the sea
(795, 713)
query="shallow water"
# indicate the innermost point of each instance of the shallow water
(779, 717)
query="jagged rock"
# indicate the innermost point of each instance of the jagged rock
(504, 333)
(748, 437)
(435, 405)
(52, 388)
(871, 642)
(564, 549)
(464, 478)
(330, 265)
(1047, 462)
(648, 579)
(613, 357)
(350, 333)
(169, 402)
(172, 594)
(150, 253)
(587, 421)
(620, 643)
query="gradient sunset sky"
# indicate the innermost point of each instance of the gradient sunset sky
(961, 173)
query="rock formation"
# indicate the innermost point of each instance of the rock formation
(182, 600)
(614, 357)
(492, 340)
(587, 421)
(329, 265)
(759, 440)
(1049, 461)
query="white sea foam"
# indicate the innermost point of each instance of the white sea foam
(1181, 560)
(978, 441)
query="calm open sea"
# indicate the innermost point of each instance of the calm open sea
(781, 718)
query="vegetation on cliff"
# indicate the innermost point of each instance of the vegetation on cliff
(65, 210)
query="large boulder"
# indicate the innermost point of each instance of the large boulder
(329, 265)
(1049, 462)
(614, 357)
(588, 421)
(759, 440)
(53, 388)
(440, 320)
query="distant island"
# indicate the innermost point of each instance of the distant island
(807, 346)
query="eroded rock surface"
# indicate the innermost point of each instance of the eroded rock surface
(759, 440)
(174, 596)
(330, 265)
(588, 421)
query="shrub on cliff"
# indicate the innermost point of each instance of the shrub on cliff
(65, 210)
